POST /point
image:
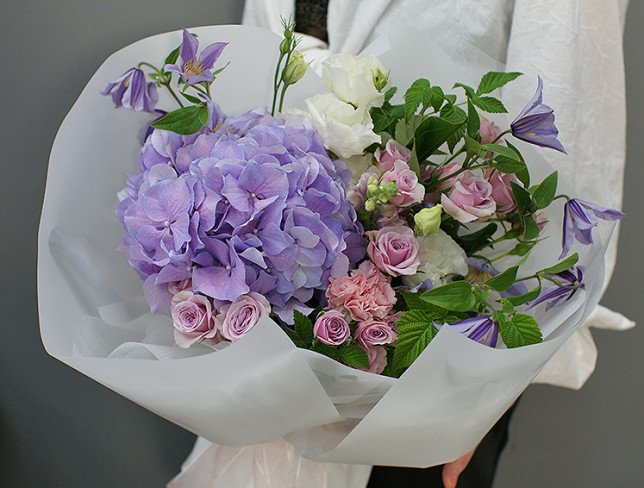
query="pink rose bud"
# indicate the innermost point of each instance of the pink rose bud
(393, 152)
(377, 359)
(410, 191)
(394, 250)
(175, 287)
(489, 131)
(365, 295)
(331, 328)
(358, 194)
(374, 333)
(541, 220)
(237, 319)
(470, 199)
(192, 318)
(446, 171)
(502, 190)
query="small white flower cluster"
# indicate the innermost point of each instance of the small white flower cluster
(354, 84)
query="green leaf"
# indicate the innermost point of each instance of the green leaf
(330, 351)
(521, 249)
(414, 301)
(389, 94)
(451, 99)
(453, 114)
(473, 119)
(567, 263)
(530, 228)
(385, 117)
(438, 97)
(297, 340)
(520, 330)
(489, 104)
(406, 128)
(416, 330)
(191, 98)
(172, 57)
(476, 241)
(469, 91)
(419, 93)
(457, 296)
(472, 147)
(522, 197)
(187, 120)
(413, 161)
(545, 192)
(303, 327)
(503, 150)
(508, 165)
(495, 79)
(525, 297)
(431, 134)
(354, 356)
(524, 176)
(503, 281)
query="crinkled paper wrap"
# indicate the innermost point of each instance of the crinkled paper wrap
(261, 388)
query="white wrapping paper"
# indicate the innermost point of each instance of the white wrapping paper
(262, 388)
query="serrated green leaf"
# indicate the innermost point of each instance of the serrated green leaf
(495, 79)
(406, 128)
(413, 161)
(489, 104)
(472, 146)
(172, 57)
(520, 330)
(431, 134)
(297, 340)
(416, 330)
(473, 119)
(525, 297)
(303, 327)
(330, 351)
(457, 296)
(567, 263)
(354, 356)
(414, 301)
(503, 150)
(453, 114)
(546, 191)
(438, 97)
(385, 117)
(185, 121)
(504, 280)
(469, 91)
(419, 93)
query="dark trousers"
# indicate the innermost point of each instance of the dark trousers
(478, 474)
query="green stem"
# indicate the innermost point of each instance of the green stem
(283, 94)
(276, 82)
(143, 63)
(501, 135)
(174, 95)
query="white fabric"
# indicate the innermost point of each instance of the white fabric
(575, 45)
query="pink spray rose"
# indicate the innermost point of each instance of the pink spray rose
(501, 190)
(365, 295)
(444, 171)
(238, 318)
(331, 328)
(410, 191)
(489, 131)
(470, 199)
(394, 250)
(374, 333)
(192, 317)
(393, 152)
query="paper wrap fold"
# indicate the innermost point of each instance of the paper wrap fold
(261, 388)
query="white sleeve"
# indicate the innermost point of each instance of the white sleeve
(576, 46)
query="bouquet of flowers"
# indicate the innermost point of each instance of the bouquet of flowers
(329, 266)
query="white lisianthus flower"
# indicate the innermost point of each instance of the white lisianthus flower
(351, 78)
(440, 256)
(359, 165)
(346, 130)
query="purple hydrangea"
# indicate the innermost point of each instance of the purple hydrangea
(254, 205)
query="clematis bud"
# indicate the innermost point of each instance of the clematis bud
(295, 68)
(428, 220)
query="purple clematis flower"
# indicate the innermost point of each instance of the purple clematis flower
(579, 219)
(132, 91)
(568, 282)
(536, 123)
(481, 270)
(195, 69)
(481, 329)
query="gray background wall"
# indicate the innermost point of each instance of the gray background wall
(60, 429)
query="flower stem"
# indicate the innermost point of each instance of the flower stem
(276, 82)
(174, 95)
(501, 135)
(143, 63)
